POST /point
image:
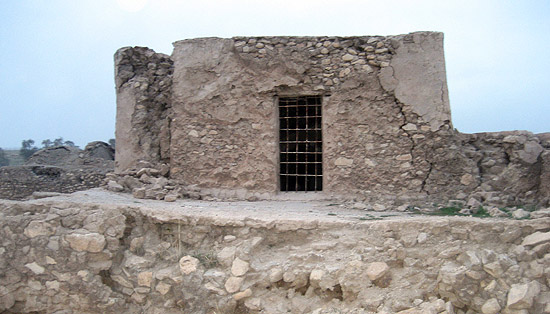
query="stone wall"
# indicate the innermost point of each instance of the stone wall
(60, 169)
(224, 135)
(104, 253)
(143, 86)
(223, 130)
(18, 182)
(387, 132)
(512, 167)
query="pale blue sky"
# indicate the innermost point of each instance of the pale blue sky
(56, 56)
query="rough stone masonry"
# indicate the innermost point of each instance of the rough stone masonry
(101, 252)
(204, 123)
(208, 118)
(58, 169)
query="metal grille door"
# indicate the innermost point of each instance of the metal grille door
(301, 143)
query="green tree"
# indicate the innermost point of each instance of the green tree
(27, 149)
(47, 143)
(58, 141)
(3, 160)
(112, 143)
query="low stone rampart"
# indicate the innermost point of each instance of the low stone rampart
(512, 168)
(19, 182)
(60, 169)
(98, 252)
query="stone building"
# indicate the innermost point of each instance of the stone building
(354, 117)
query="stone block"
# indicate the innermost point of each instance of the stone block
(86, 242)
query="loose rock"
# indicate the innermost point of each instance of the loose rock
(521, 296)
(377, 270)
(35, 268)
(536, 238)
(242, 295)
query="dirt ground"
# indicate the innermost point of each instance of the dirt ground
(293, 208)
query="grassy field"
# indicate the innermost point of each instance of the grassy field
(13, 156)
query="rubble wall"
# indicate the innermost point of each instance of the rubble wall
(19, 182)
(143, 81)
(95, 257)
(225, 91)
(211, 127)
(61, 169)
(511, 167)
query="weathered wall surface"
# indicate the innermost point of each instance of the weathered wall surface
(18, 182)
(143, 85)
(58, 169)
(224, 126)
(105, 253)
(416, 75)
(512, 167)
(224, 131)
(387, 131)
(544, 183)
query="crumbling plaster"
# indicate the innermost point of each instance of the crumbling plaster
(221, 82)
(417, 77)
(207, 118)
(143, 82)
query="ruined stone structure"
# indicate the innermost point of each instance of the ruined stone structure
(100, 252)
(355, 117)
(59, 169)
(232, 119)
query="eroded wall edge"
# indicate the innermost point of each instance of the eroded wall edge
(143, 86)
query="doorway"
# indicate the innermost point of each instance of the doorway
(300, 144)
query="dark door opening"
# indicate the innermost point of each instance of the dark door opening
(300, 144)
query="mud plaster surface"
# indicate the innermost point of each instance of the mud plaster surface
(300, 209)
